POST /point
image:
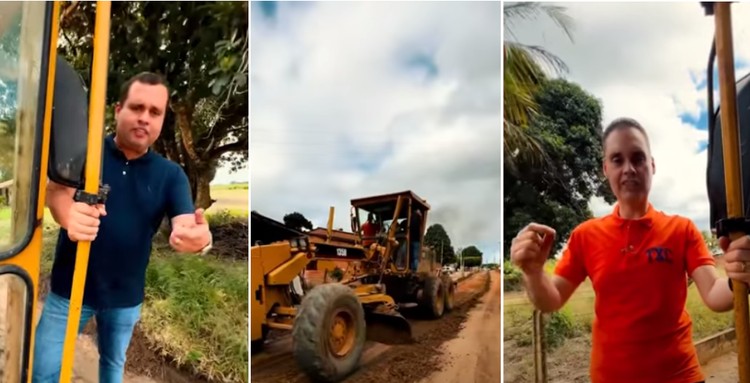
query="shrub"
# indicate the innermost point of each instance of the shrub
(512, 277)
(558, 327)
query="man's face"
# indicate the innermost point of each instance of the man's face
(628, 164)
(141, 116)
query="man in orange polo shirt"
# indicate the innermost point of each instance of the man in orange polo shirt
(638, 260)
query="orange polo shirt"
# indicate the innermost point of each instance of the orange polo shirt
(639, 269)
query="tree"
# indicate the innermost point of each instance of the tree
(471, 256)
(10, 33)
(202, 50)
(297, 221)
(568, 127)
(524, 72)
(437, 238)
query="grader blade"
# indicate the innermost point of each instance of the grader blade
(388, 328)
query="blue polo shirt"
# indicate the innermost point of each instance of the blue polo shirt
(143, 191)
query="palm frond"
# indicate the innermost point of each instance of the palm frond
(531, 11)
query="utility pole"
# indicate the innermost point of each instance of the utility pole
(462, 263)
(441, 252)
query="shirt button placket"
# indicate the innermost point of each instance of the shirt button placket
(124, 171)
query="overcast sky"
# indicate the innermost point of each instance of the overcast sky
(351, 99)
(648, 61)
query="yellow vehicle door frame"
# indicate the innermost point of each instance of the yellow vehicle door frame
(23, 259)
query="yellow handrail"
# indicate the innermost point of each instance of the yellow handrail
(97, 101)
(732, 171)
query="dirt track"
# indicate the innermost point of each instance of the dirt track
(403, 363)
(474, 357)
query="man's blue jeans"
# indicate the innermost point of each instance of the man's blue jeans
(114, 330)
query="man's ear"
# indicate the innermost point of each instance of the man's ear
(604, 168)
(653, 166)
(118, 108)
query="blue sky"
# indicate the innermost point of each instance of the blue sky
(652, 69)
(360, 98)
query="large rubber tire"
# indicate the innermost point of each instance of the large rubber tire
(433, 297)
(450, 293)
(256, 346)
(316, 350)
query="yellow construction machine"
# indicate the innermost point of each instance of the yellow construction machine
(51, 126)
(331, 322)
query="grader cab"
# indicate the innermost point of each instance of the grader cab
(391, 228)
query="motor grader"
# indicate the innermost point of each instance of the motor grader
(331, 322)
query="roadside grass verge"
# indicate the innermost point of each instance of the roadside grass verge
(195, 313)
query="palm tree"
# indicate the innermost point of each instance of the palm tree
(525, 68)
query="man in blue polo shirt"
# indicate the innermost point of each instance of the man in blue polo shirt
(144, 188)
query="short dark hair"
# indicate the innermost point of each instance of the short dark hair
(148, 78)
(622, 123)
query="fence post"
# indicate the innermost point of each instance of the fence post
(540, 357)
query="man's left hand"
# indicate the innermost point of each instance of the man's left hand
(737, 257)
(190, 235)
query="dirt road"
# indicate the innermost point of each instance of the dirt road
(382, 363)
(474, 356)
(722, 369)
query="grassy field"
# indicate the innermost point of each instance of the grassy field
(5, 220)
(196, 307)
(569, 331)
(233, 198)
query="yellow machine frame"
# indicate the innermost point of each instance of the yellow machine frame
(24, 259)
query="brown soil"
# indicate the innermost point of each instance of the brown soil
(722, 369)
(474, 356)
(142, 360)
(231, 241)
(381, 363)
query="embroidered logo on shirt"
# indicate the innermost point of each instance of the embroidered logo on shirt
(659, 254)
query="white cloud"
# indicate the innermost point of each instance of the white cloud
(646, 60)
(337, 112)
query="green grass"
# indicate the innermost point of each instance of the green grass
(5, 220)
(196, 308)
(196, 311)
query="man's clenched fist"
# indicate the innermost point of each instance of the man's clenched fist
(531, 248)
(83, 221)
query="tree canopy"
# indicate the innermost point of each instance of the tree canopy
(472, 256)
(526, 67)
(437, 238)
(297, 221)
(557, 194)
(202, 50)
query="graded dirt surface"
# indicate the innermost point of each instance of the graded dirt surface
(474, 356)
(395, 363)
(722, 369)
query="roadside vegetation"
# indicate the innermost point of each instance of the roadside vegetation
(195, 312)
